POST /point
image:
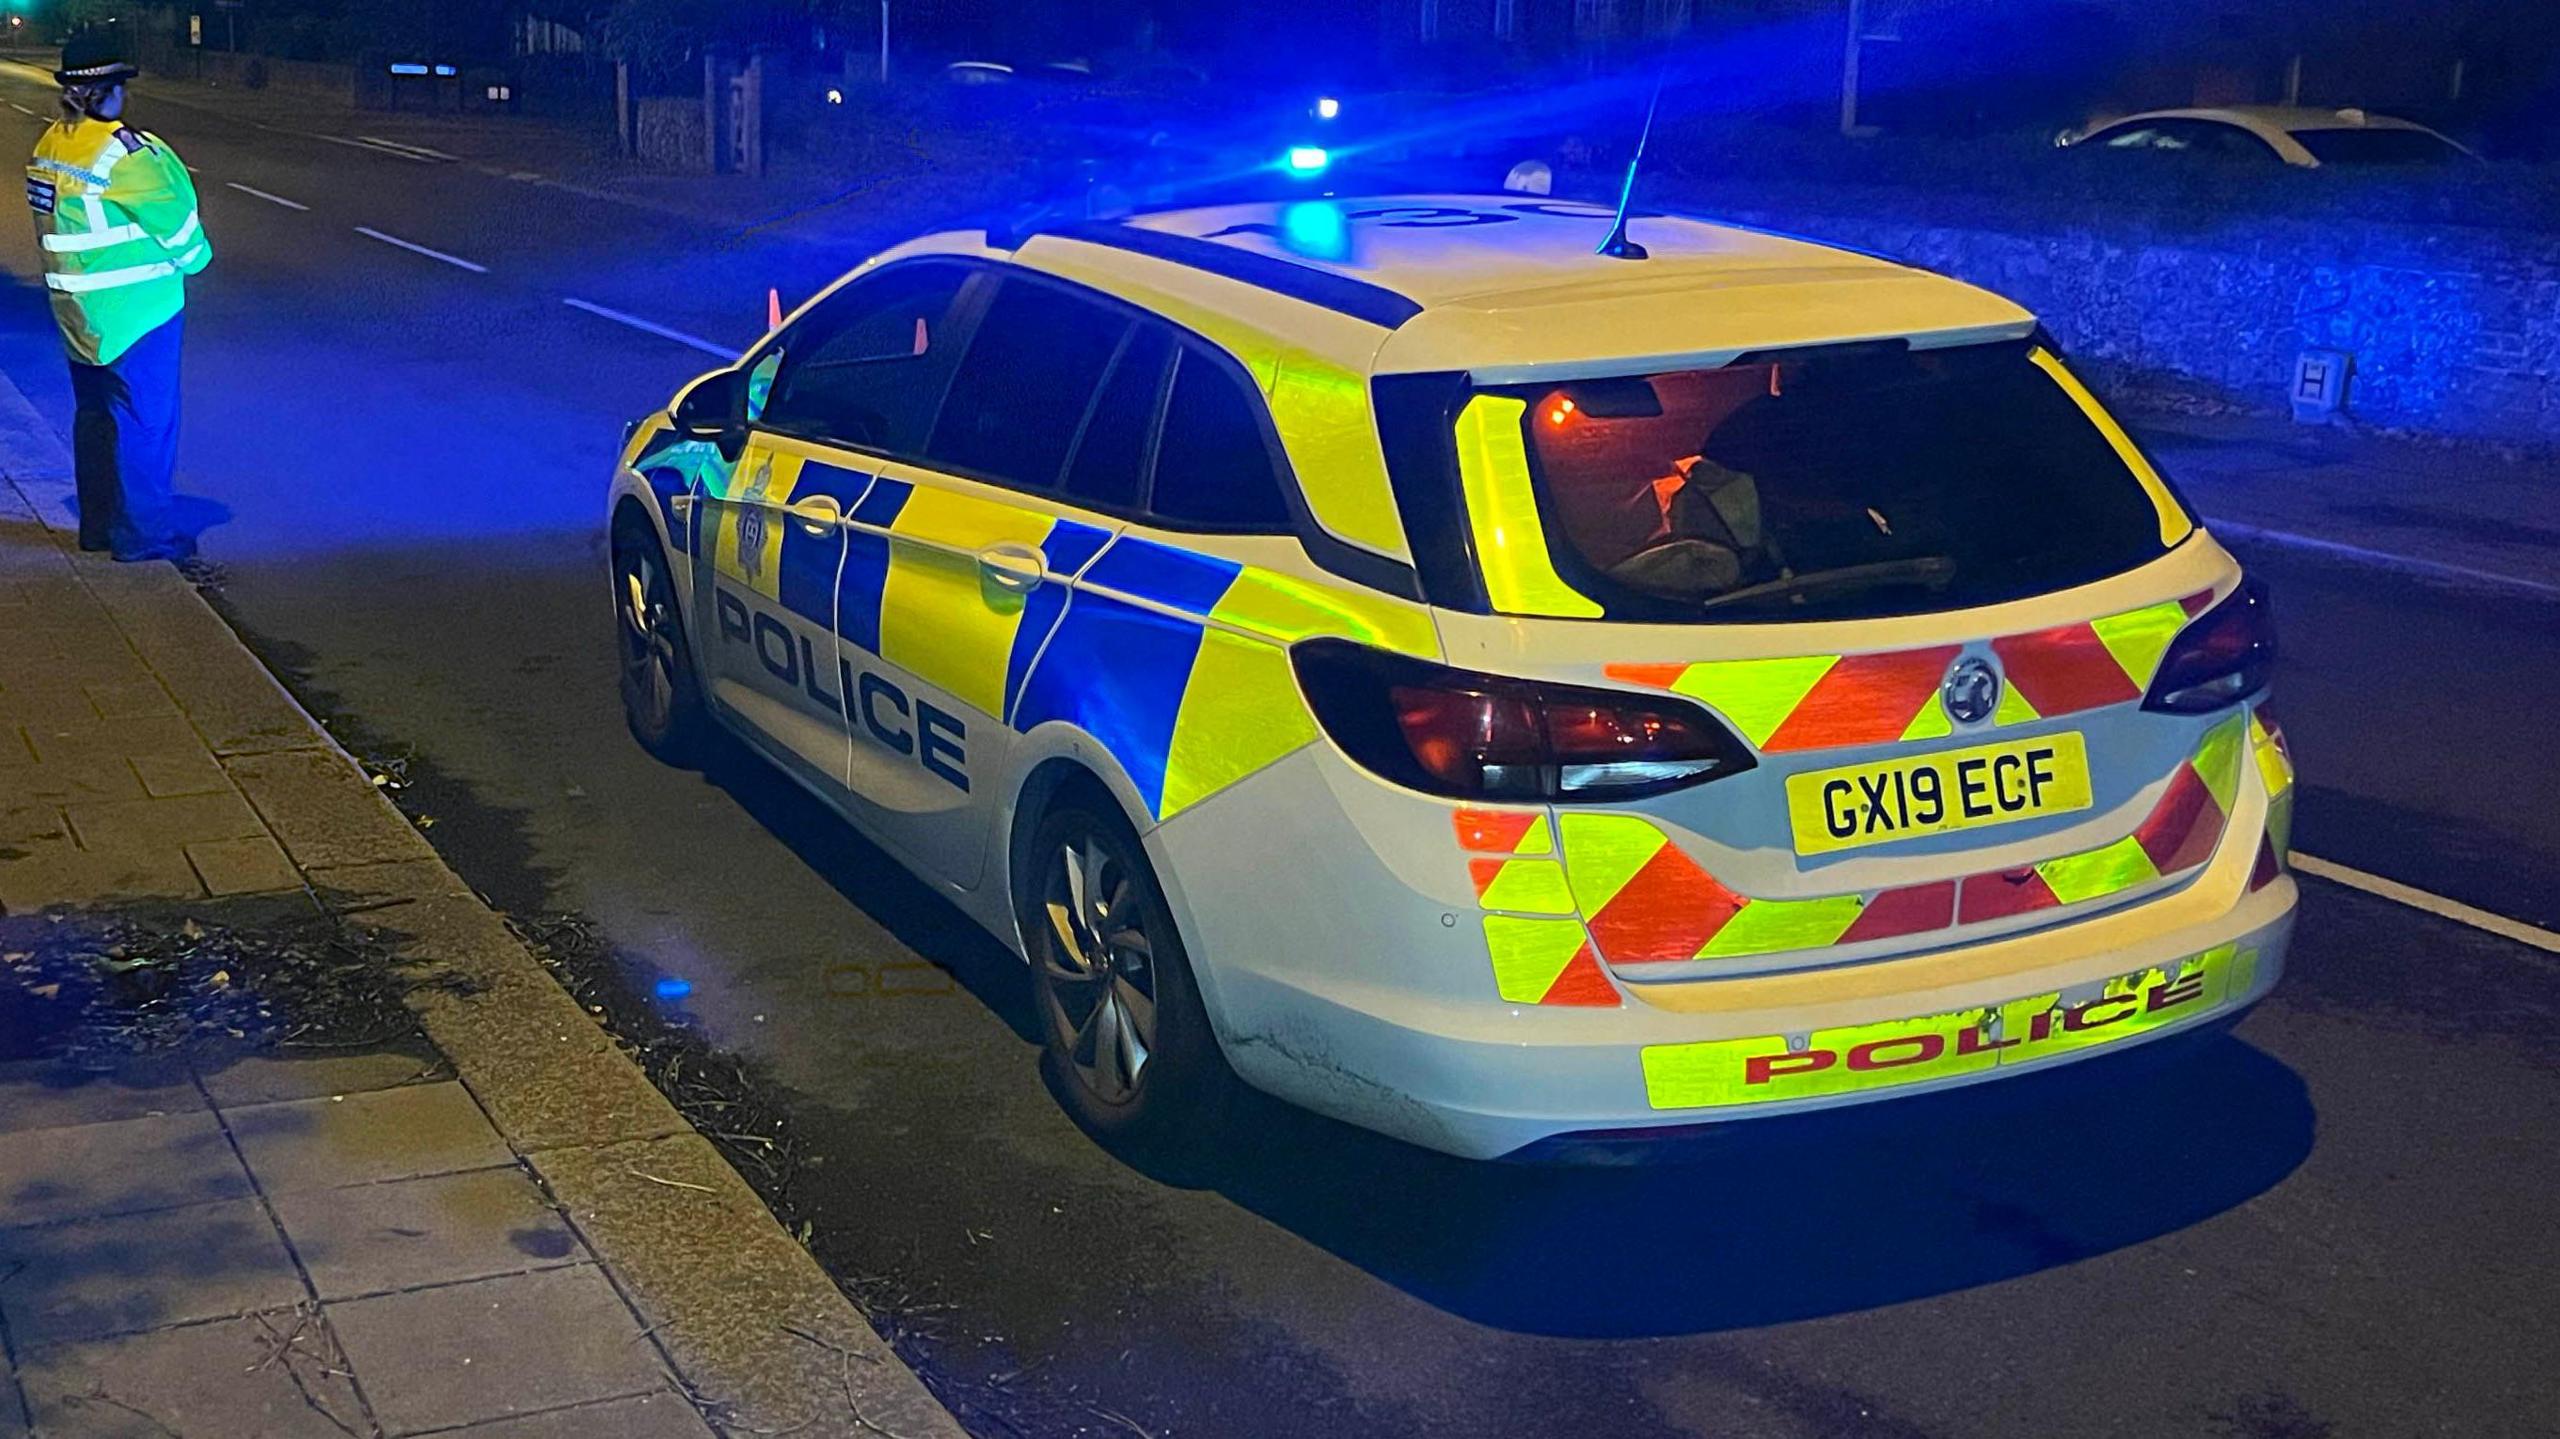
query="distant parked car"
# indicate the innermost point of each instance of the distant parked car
(2300, 136)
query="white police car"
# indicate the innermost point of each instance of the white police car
(1488, 691)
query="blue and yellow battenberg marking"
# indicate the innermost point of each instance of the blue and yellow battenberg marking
(1174, 660)
(1178, 663)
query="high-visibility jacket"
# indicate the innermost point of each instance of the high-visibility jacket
(116, 214)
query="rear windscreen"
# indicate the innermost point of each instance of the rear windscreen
(1848, 483)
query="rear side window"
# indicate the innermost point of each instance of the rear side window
(867, 368)
(1021, 394)
(1213, 466)
(2377, 147)
(1854, 483)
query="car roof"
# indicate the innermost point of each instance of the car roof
(1508, 284)
(2287, 118)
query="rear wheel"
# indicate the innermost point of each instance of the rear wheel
(660, 695)
(1129, 1043)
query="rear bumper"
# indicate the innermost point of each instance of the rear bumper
(1322, 957)
(1486, 1096)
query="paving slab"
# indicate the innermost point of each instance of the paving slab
(131, 699)
(163, 735)
(643, 1416)
(75, 781)
(164, 775)
(376, 1238)
(95, 1277)
(121, 1167)
(495, 1348)
(272, 1078)
(369, 889)
(178, 820)
(232, 699)
(325, 810)
(701, 1256)
(366, 1138)
(23, 820)
(40, 1094)
(37, 874)
(267, 1375)
(255, 865)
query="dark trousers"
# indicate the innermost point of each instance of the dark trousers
(124, 442)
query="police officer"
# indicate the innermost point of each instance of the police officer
(116, 214)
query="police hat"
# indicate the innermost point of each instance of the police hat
(94, 57)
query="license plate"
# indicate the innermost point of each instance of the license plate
(1863, 804)
(1862, 1058)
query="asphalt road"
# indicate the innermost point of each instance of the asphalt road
(2335, 1221)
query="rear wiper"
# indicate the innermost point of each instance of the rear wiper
(1933, 570)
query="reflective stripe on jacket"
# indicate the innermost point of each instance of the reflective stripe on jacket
(116, 214)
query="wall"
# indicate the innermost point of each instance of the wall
(671, 135)
(2453, 331)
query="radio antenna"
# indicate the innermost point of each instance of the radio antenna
(1618, 246)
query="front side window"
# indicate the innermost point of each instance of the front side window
(867, 367)
(1859, 482)
(1112, 456)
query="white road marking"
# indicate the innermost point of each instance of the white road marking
(649, 327)
(2384, 559)
(408, 149)
(361, 145)
(23, 110)
(263, 195)
(416, 249)
(2435, 904)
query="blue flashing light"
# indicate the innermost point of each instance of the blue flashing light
(1316, 229)
(1308, 159)
(673, 988)
(1327, 107)
(446, 70)
(408, 69)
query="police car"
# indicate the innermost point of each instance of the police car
(1490, 691)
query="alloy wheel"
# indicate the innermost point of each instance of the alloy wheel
(649, 659)
(1101, 968)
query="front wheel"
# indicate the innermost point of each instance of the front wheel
(1128, 1039)
(660, 695)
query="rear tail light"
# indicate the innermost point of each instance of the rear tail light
(1477, 736)
(2223, 658)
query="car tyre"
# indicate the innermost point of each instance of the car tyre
(661, 695)
(1128, 1042)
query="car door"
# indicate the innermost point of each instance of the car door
(854, 380)
(959, 567)
(1173, 653)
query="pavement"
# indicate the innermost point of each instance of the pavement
(2419, 507)
(482, 1221)
(2331, 1221)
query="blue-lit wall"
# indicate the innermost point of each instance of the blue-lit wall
(2453, 331)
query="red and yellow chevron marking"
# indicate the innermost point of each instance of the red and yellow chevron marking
(2179, 834)
(1541, 953)
(1647, 902)
(2274, 758)
(1829, 701)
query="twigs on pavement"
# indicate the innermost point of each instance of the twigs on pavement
(638, 1173)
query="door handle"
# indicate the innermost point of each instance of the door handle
(818, 514)
(1017, 568)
